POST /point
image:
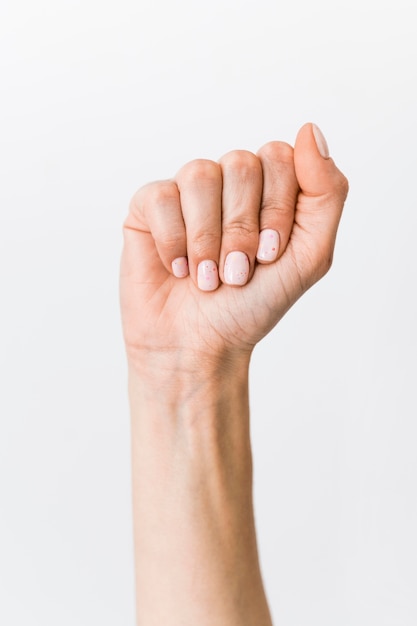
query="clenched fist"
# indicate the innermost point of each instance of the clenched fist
(214, 257)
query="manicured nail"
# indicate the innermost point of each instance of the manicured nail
(180, 267)
(321, 143)
(207, 276)
(236, 268)
(268, 245)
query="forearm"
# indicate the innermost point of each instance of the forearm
(195, 543)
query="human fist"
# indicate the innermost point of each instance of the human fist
(214, 257)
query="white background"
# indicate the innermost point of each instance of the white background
(98, 98)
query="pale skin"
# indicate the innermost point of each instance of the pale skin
(189, 337)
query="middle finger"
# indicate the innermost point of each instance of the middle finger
(241, 201)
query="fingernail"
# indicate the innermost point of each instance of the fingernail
(268, 245)
(180, 267)
(321, 143)
(207, 276)
(236, 268)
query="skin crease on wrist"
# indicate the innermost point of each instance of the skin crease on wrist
(212, 259)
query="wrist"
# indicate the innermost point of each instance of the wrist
(179, 375)
(200, 407)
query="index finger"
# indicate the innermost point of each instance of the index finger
(280, 190)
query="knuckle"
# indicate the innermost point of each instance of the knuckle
(274, 207)
(244, 162)
(241, 228)
(277, 151)
(155, 194)
(169, 242)
(160, 194)
(201, 170)
(202, 244)
(344, 186)
(340, 186)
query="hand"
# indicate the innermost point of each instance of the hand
(277, 212)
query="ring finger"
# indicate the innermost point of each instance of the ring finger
(200, 186)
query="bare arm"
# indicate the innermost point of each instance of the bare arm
(196, 556)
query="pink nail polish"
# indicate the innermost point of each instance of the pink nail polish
(268, 245)
(236, 268)
(180, 267)
(207, 276)
(321, 143)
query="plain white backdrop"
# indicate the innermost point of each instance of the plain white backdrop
(96, 99)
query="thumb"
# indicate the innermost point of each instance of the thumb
(316, 172)
(323, 191)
